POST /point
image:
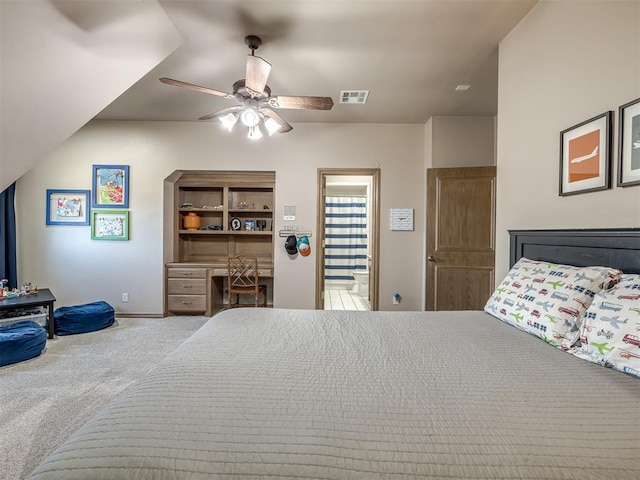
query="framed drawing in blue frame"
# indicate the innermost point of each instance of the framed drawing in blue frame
(110, 186)
(67, 207)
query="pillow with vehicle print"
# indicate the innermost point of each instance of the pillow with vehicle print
(547, 299)
(610, 331)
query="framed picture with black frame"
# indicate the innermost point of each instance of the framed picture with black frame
(629, 144)
(585, 156)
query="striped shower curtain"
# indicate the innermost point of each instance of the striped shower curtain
(345, 238)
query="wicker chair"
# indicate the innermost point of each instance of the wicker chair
(243, 280)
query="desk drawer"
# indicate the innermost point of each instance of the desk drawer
(187, 286)
(187, 303)
(183, 272)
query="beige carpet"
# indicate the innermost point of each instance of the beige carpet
(44, 400)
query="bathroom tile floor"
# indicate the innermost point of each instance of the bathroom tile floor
(344, 300)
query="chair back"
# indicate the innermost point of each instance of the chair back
(243, 272)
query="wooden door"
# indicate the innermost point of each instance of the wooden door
(460, 237)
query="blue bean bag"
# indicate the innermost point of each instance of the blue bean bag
(83, 318)
(21, 341)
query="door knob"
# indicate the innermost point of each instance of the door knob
(432, 259)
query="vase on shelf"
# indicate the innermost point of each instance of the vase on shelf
(191, 221)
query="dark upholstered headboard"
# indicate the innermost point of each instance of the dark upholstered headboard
(617, 248)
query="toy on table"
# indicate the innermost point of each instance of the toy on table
(26, 289)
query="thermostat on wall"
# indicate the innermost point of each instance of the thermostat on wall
(401, 219)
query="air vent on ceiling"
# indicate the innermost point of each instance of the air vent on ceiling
(354, 96)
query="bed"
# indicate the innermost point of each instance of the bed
(299, 394)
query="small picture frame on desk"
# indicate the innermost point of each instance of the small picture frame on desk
(249, 225)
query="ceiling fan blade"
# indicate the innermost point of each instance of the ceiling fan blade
(284, 125)
(197, 88)
(309, 103)
(224, 111)
(257, 73)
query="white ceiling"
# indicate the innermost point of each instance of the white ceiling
(65, 62)
(410, 55)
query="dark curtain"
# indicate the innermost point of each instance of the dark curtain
(8, 264)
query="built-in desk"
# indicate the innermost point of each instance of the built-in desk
(198, 288)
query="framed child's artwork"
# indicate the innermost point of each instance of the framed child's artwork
(109, 224)
(110, 186)
(585, 156)
(629, 144)
(68, 207)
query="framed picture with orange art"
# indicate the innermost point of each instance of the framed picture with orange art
(585, 156)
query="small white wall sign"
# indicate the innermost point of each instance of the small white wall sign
(401, 219)
(289, 212)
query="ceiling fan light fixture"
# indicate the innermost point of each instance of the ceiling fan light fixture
(229, 120)
(254, 132)
(249, 117)
(272, 126)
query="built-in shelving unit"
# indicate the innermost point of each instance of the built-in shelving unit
(235, 211)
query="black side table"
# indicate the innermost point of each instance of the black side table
(44, 298)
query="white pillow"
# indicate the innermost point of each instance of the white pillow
(610, 331)
(548, 300)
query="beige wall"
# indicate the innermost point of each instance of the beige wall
(564, 63)
(80, 270)
(462, 141)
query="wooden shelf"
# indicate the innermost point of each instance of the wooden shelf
(225, 232)
(224, 195)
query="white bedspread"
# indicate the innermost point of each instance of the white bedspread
(271, 393)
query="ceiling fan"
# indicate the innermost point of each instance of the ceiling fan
(256, 102)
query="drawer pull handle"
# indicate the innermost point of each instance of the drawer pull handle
(186, 302)
(187, 274)
(186, 286)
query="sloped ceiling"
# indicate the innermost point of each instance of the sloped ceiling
(65, 61)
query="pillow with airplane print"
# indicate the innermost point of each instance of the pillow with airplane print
(548, 300)
(610, 330)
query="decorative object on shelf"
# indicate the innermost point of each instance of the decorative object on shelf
(261, 225)
(68, 207)
(186, 205)
(191, 221)
(265, 207)
(236, 224)
(110, 186)
(585, 156)
(249, 225)
(629, 144)
(109, 224)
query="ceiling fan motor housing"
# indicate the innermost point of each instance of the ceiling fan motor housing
(253, 42)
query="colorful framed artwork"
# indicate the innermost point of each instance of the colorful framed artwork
(109, 224)
(629, 144)
(585, 156)
(110, 186)
(68, 207)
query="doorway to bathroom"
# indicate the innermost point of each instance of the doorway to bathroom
(348, 218)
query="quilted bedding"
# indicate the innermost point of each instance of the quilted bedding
(271, 393)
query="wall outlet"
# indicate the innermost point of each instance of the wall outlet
(125, 297)
(396, 298)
